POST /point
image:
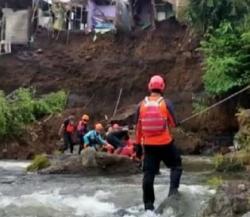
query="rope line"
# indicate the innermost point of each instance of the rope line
(214, 105)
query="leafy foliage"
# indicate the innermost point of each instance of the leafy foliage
(226, 44)
(23, 108)
(4, 114)
(210, 13)
(50, 104)
(227, 59)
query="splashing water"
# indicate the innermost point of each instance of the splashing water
(30, 195)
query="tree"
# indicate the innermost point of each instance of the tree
(205, 13)
(227, 59)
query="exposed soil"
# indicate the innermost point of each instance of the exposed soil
(94, 73)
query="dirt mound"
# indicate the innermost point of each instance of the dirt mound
(97, 70)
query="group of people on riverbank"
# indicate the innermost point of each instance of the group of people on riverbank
(154, 117)
(114, 140)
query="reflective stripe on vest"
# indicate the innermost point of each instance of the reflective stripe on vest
(151, 117)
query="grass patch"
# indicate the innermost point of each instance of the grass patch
(22, 108)
(38, 163)
(215, 181)
(228, 163)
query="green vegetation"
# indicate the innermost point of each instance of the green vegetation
(204, 14)
(38, 163)
(226, 163)
(23, 108)
(237, 161)
(4, 114)
(215, 181)
(227, 59)
(51, 103)
(226, 43)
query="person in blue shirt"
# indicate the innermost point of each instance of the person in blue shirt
(94, 139)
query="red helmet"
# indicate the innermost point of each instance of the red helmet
(156, 83)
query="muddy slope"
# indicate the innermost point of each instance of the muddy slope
(97, 70)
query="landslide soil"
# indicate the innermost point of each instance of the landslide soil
(94, 72)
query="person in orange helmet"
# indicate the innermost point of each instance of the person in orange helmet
(155, 116)
(82, 129)
(94, 139)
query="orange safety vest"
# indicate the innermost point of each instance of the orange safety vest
(152, 128)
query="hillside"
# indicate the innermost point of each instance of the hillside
(94, 73)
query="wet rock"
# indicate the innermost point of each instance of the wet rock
(240, 204)
(92, 163)
(126, 114)
(218, 206)
(191, 163)
(242, 187)
(188, 143)
(39, 51)
(231, 200)
(246, 215)
(248, 168)
(88, 58)
(187, 54)
(89, 158)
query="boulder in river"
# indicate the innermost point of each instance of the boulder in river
(231, 200)
(91, 162)
(187, 142)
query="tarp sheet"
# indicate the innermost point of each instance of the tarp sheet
(17, 26)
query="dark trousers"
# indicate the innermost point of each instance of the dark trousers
(68, 142)
(81, 142)
(153, 155)
(114, 141)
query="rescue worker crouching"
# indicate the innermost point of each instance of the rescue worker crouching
(116, 136)
(82, 129)
(94, 139)
(154, 117)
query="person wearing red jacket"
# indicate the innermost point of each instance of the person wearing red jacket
(154, 117)
(67, 129)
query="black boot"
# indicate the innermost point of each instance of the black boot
(175, 176)
(149, 206)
